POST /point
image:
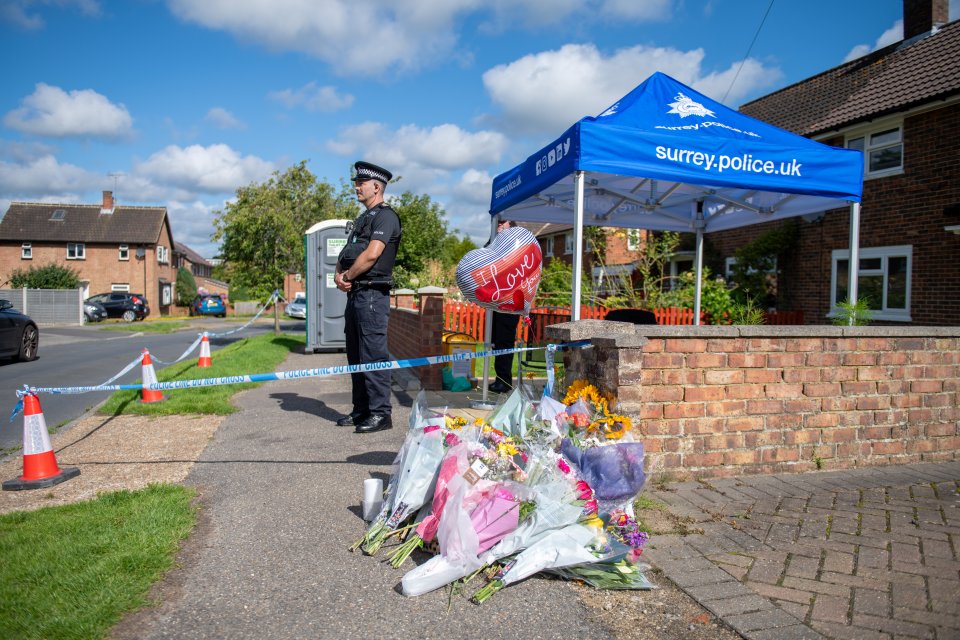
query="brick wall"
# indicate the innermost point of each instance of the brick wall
(416, 333)
(720, 401)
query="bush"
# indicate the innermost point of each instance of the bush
(186, 286)
(51, 276)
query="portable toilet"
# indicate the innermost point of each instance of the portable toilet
(325, 303)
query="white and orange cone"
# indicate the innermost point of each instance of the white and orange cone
(149, 376)
(204, 360)
(40, 468)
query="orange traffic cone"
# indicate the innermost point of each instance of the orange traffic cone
(40, 468)
(149, 376)
(205, 360)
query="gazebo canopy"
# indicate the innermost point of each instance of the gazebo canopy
(667, 158)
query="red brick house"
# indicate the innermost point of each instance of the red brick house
(112, 247)
(901, 106)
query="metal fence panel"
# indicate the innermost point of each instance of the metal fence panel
(48, 306)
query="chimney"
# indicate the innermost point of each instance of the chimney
(921, 16)
(107, 202)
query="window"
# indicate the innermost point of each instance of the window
(124, 252)
(568, 242)
(680, 263)
(26, 251)
(729, 263)
(120, 286)
(163, 254)
(75, 251)
(633, 239)
(882, 150)
(548, 245)
(58, 214)
(884, 280)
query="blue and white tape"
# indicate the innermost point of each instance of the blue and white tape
(300, 373)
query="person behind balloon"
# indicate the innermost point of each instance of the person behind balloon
(365, 273)
(504, 334)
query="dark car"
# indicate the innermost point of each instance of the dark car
(208, 305)
(119, 304)
(19, 336)
(94, 311)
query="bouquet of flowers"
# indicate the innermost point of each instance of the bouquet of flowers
(413, 480)
(540, 488)
(481, 503)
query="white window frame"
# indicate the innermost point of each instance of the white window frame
(568, 243)
(163, 255)
(123, 252)
(26, 251)
(728, 264)
(123, 287)
(674, 264)
(884, 254)
(78, 249)
(866, 135)
(549, 246)
(633, 239)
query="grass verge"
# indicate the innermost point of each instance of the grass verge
(72, 571)
(260, 354)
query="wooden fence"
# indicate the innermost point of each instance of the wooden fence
(469, 318)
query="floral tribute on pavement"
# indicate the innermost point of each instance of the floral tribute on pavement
(537, 487)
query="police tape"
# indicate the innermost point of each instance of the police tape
(302, 373)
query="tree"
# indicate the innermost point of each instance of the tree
(261, 232)
(186, 286)
(424, 231)
(651, 265)
(556, 284)
(51, 276)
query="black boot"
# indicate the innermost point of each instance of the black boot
(374, 422)
(352, 419)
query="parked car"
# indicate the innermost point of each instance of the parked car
(19, 336)
(120, 304)
(208, 305)
(94, 311)
(297, 308)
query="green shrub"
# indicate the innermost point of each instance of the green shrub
(51, 276)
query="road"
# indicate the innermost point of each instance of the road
(88, 356)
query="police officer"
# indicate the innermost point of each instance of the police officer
(365, 273)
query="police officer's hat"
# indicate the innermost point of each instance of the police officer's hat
(367, 171)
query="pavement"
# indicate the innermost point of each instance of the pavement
(868, 553)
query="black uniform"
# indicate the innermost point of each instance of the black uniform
(368, 307)
(503, 336)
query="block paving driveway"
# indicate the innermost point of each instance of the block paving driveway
(866, 553)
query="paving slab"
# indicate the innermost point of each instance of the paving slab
(856, 553)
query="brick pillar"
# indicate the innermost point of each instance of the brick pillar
(431, 334)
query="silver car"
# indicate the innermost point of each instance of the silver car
(297, 308)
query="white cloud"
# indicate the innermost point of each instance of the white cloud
(18, 12)
(368, 38)
(45, 176)
(192, 224)
(313, 98)
(51, 111)
(223, 119)
(377, 37)
(444, 147)
(213, 169)
(550, 90)
(891, 35)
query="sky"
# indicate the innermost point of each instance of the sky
(177, 103)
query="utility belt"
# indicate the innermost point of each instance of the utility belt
(376, 285)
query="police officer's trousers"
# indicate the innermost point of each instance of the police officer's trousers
(365, 329)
